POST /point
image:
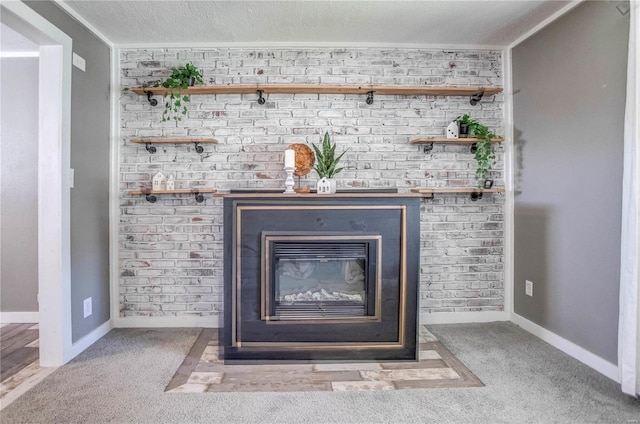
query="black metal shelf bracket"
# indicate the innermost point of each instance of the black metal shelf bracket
(198, 147)
(427, 148)
(150, 148)
(476, 97)
(199, 197)
(152, 101)
(369, 97)
(151, 198)
(261, 100)
(476, 195)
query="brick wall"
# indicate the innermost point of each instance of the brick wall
(171, 251)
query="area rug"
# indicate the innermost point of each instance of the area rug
(203, 370)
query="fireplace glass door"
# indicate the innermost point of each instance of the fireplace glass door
(319, 278)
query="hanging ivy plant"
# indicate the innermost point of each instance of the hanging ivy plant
(174, 102)
(484, 154)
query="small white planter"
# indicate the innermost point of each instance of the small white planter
(326, 186)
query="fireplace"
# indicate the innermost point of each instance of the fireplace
(320, 278)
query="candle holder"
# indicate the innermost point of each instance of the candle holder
(289, 183)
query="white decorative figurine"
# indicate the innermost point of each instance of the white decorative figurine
(171, 183)
(159, 182)
(453, 131)
(289, 167)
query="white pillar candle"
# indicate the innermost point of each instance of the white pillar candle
(289, 158)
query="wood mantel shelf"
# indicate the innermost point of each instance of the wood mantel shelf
(151, 194)
(327, 89)
(155, 140)
(272, 195)
(427, 140)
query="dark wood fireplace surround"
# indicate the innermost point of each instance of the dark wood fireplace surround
(379, 233)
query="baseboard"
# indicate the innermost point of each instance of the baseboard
(155, 322)
(427, 318)
(79, 346)
(599, 364)
(19, 317)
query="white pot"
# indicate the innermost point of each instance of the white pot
(326, 186)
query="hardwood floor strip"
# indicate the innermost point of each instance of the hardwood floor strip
(21, 339)
(11, 330)
(17, 360)
(193, 357)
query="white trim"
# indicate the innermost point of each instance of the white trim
(11, 55)
(155, 322)
(54, 141)
(545, 22)
(19, 317)
(427, 318)
(86, 341)
(71, 12)
(509, 181)
(114, 184)
(304, 44)
(599, 364)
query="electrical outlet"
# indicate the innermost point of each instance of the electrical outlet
(528, 288)
(87, 307)
(78, 62)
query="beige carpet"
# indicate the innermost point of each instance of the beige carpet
(203, 370)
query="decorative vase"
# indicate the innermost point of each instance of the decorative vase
(326, 186)
(464, 131)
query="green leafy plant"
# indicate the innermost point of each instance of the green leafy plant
(326, 160)
(180, 79)
(484, 154)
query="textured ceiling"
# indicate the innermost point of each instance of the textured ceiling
(475, 22)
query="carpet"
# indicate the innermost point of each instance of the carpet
(203, 370)
(121, 379)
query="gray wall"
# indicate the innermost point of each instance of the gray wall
(90, 115)
(569, 96)
(19, 190)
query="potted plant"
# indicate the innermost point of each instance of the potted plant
(484, 154)
(181, 78)
(327, 165)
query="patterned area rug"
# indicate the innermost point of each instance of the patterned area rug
(203, 370)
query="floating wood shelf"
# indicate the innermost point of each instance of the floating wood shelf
(151, 194)
(149, 141)
(428, 140)
(327, 89)
(475, 192)
(173, 140)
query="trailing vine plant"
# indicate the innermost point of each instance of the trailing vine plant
(181, 78)
(484, 154)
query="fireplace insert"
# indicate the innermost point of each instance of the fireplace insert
(321, 278)
(314, 275)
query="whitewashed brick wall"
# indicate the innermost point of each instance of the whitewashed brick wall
(171, 260)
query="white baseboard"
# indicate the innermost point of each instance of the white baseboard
(427, 318)
(79, 346)
(155, 322)
(19, 317)
(603, 366)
